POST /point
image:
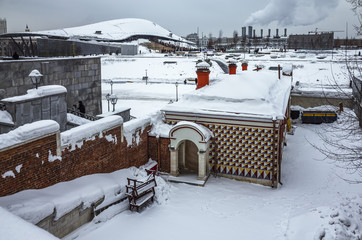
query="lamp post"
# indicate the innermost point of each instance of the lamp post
(176, 84)
(111, 87)
(35, 77)
(108, 98)
(114, 99)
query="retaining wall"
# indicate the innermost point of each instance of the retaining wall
(80, 75)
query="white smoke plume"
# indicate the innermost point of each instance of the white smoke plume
(292, 12)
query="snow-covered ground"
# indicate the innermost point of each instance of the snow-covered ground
(310, 75)
(314, 201)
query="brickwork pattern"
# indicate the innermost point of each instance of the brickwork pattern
(158, 151)
(94, 156)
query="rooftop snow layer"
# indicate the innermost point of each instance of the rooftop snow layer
(118, 29)
(257, 94)
(37, 93)
(28, 132)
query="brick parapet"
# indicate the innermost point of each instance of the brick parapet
(96, 155)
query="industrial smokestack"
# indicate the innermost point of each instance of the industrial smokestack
(250, 32)
(261, 33)
(277, 32)
(254, 33)
(269, 32)
(285, 32)
(243, 32)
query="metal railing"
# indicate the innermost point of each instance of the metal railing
(82, 115)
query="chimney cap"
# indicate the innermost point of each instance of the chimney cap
(232, 61)
(202, 65)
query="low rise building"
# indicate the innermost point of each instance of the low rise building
(234, 126)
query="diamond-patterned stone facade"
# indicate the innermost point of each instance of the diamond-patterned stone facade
(243, 151)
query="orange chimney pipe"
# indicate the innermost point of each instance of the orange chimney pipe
(203, 73)
(232, 67)
(244, 66)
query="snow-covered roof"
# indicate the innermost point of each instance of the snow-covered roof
(28, 132)
(37, 93)
(119, 29)
(247, 94)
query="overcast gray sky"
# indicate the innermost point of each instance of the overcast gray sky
(183, 17)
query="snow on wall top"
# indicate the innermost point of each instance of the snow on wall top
(28, 132)
(118, 29)
(89, 129)
(37, 93)
(14, 227)
(247, 94)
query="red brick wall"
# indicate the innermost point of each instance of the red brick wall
(94, 156)
(35, 172)
(158, 151)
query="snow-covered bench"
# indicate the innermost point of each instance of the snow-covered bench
(140, 192)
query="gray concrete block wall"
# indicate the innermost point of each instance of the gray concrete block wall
(56, 48)
(49, 107)
(80, 75)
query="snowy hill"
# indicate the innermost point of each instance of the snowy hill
(115, 30)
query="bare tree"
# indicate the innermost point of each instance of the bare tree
(235, 37)
(343, 142)
(357, 9)
(210, 45)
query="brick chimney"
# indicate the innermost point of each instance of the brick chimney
(244, 66)
(203, 73)
(232, 66)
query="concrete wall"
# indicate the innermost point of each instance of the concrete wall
(315, 101)
(69, 222)
(52, 107)
(80, 75)
(56, 48)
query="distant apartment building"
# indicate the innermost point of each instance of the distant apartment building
(3, 26)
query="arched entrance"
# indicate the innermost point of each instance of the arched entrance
(188, 158)
(189, 149)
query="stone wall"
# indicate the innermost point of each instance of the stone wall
(37, 108)
(80, 75)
